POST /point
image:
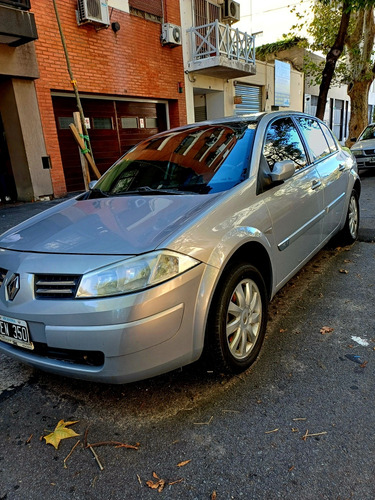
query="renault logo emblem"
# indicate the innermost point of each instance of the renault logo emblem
(13, 286)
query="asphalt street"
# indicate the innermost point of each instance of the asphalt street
(297, 425)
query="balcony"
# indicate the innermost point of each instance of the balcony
(221, 51)
(17, 25)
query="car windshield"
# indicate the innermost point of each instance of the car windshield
(368, 133)
(201, 159)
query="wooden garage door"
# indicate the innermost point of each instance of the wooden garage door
(115, 126)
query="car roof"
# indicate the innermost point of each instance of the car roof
(250, 117)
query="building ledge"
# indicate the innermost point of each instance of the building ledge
(16, 26)
(221, 67)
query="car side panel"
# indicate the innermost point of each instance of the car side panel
(334, 173)
(296, 210)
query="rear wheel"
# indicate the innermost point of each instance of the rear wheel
(349, 233)
(237, 319)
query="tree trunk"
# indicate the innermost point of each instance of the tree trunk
(358, 94)
(331, 59)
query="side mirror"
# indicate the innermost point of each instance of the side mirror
(92, 184)
(282, 170)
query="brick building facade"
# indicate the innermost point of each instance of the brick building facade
(129, 83)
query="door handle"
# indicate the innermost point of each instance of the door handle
(316, 184)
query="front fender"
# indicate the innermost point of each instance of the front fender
(232, 242)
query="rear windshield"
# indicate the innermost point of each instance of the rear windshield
(202, 159)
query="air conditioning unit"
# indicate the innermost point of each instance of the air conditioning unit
(171, 34)
(230, 11)
(93, 11)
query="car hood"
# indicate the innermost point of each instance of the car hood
(364, 144)
(125, 225)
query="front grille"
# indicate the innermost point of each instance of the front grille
(3, 273)
(86, 358)
(56, 286)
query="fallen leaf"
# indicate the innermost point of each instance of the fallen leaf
(214, 495)
(60, 432)
(156, 485)
(343, 271)
(181, 464)
(364, 364)
(176, 482)
(326, 329)
(283, 330)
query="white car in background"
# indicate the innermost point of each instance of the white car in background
(364, 148)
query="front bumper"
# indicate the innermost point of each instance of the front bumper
(115, 339)
(365, 161)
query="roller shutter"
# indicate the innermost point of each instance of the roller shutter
(251, 99)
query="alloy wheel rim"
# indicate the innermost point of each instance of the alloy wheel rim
(244, 317)
(353, 217)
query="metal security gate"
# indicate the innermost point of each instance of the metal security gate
(251, 99)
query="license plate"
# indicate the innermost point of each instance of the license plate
(15, 331)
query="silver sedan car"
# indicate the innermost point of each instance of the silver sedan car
(176, 250)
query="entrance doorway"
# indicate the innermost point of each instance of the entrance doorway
(8, 192)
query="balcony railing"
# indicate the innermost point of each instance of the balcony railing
(217, 39)
(19, 4)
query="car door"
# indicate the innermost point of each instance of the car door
(295, 205)
(332, 167)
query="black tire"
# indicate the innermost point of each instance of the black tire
(240, 303)
(349, 233)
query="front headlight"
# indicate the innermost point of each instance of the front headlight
(356, 152)
(134, 274)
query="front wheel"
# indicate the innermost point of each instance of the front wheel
(237, 319)
(349, 233)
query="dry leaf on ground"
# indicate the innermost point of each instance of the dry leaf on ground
(156, 485)
(60, 432)
(181, 464)
(326, 329)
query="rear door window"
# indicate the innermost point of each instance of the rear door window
(315, 139)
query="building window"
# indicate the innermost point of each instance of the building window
(64, 122)
(103, 123)
(153, 11)
(206, 12)
(129, 122)
(151, 122)
(19, 4)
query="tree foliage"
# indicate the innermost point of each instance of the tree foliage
(344, 32)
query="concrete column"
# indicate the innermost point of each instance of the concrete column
(24, 134)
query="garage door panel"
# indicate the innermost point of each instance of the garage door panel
(109, 139)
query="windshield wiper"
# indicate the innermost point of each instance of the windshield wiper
(147, 190)
(96, 193)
